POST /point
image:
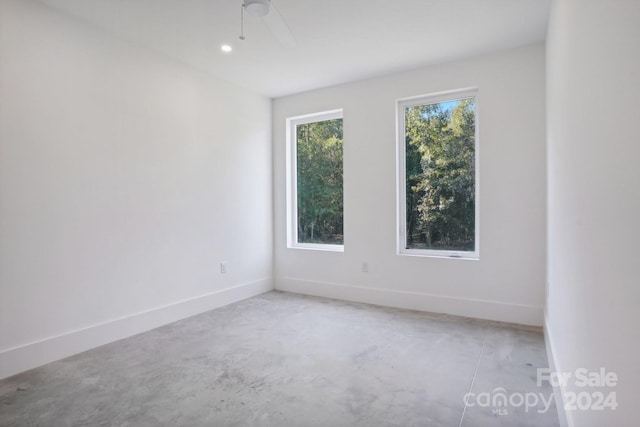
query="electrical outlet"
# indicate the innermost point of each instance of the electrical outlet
(223, 268)
(365, 267)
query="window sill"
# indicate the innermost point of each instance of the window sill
(317, 247)
(466, 256)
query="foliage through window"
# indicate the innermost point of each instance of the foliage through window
(316, 145)
(439, 207)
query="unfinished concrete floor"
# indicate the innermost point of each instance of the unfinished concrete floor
(282, 360)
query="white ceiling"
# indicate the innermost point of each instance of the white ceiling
(337, 40)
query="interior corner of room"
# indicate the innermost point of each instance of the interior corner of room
(142, 183)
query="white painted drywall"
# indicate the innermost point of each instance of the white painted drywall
(507, 283)
(125, 179)
(593, 93)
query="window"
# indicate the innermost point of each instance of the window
(314, 181)
(438, 175)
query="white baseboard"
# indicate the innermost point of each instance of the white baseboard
(565, 417)
(28, 356)
(481, 309)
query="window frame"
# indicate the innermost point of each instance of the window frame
(435, 98)
(292, 178)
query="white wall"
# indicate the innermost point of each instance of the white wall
(507, 283)
(593, 93)
(124, 180)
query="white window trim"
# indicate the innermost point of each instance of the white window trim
(292, 190)
(401, 104)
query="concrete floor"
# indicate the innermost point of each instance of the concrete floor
(282, 360)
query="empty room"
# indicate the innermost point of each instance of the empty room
(319, 213)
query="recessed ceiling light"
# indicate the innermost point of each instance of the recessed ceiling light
(226, 48)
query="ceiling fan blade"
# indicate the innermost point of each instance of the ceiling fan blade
(276, 23)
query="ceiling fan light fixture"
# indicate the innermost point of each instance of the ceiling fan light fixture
(257, 7)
